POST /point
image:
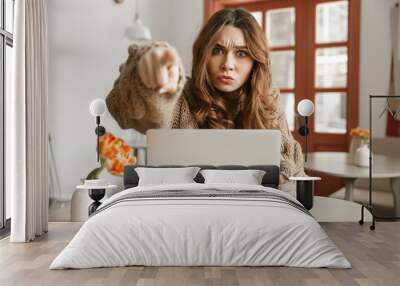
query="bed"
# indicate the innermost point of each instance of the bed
(203, 223)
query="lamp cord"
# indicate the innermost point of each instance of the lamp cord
(306, 124)
(53, 172)
(98, 143)
(98, 137)
(137, 10)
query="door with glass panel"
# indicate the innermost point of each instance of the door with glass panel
(334, 84)
(285, 50)
(314, 55)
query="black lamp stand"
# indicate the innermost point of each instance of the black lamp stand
(303, 130)
(97, 194)
(100, 131)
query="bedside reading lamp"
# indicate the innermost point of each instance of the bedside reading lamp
(97, 189)
(305, 109)
(97, 108)
(305, 185)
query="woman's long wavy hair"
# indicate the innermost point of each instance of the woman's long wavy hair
(259, 106)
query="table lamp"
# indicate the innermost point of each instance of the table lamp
(305, 108)
(97, 108)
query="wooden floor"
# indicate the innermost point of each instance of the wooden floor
(374, 255)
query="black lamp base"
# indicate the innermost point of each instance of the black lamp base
(305, 193)
(96, 195)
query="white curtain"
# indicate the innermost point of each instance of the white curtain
(395, 68)
(394, 84)
(27, 123)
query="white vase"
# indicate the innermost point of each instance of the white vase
(355, 143)
(361, 156)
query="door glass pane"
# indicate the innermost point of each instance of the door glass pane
(287, 102)
(9, 15)
(331, 67)
(332, 22)
(279, 26)
(258, 16)
(330, 112)
(283, 68)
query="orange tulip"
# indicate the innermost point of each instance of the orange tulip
(359, 133)
(115, 154)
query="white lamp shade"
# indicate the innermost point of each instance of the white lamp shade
(97, 107)
(305, 107)
(138, 31)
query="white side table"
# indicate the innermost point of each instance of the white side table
(81, 200)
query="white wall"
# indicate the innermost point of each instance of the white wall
(87, 46)
(186, 21)
(375, 54)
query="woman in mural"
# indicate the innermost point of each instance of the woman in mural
(230, 85)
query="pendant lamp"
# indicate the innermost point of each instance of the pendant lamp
(137, 31)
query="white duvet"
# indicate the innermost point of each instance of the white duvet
(200, 231)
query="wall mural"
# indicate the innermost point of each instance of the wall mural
(230, 85)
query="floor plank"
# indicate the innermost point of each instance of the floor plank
(374, 255)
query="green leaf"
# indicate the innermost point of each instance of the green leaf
(102, 162)
(95, 173)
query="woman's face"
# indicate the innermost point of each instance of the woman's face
(230, 64)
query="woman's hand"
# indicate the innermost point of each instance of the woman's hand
(158, 69)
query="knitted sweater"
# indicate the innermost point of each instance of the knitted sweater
(133, 105)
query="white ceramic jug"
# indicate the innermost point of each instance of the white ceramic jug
(361, 157)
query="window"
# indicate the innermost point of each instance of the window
(314, 46)
(6, 44)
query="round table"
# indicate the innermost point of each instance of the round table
(339, 164)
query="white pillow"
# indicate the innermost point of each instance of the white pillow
(248, 177)
(163, 176)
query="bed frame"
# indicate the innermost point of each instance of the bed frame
(213, 147)
(227, 149)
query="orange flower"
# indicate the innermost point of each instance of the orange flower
(117, 168)
(126, 149)
(132, 161)
(115, 154)
(109, 153)
(359, 133)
